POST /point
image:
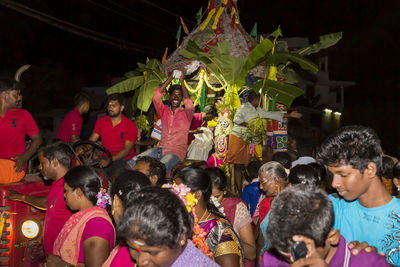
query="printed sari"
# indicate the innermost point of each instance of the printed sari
(222, 239)
(67, 244)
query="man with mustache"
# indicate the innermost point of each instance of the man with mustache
(118, 135)
(175, 120)
(15, 123)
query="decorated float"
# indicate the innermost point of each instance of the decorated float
(221, 58)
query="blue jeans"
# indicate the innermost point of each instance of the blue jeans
(169, 160)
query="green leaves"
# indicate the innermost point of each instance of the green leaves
(126, 85)
(283, 57)
(284, 93)
(325, 41)
(144, 79)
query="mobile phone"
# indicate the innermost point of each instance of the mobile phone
(299, 250)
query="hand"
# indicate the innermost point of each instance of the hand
(313, 258)
(104, 162)
(14, 195)
(295, 114)
(20, 162)
(183, 70)
(356, 247)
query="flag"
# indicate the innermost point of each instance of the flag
(254, 31)
(199, 15)
(185, 28)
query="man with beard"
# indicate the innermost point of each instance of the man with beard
(175, 121)
(15, 123)
(55, 161)
(118, 135)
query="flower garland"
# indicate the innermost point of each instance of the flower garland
(189, 199)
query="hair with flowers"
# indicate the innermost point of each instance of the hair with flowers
(189, 199)
(103, 198)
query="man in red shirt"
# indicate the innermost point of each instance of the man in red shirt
(118, 135)
(55, 161)
(175, 122)
(70, 128)
(15, 123)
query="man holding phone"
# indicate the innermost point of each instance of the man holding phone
(301, 230)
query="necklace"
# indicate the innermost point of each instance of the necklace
(205, 212)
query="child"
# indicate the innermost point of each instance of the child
(305, 214)
(251, 193)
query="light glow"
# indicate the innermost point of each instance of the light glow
(337, 114)
(30, 229)
(327, 110)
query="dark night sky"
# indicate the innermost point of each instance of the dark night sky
(64, 62)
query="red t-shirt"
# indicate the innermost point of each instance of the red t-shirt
(13, 128)
(113, 138)
(57, 214)
(71, 125)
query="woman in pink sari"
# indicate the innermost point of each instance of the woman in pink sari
(236, 211)
(88, 236)
(123, 189)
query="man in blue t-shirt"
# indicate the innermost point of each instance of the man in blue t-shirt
(364, 210)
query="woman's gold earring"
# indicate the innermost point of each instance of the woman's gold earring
(112, 212)
(182, 242)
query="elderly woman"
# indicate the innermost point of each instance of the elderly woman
(157, 229)
(273, 179)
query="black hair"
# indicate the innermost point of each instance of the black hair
(86, 179)
(127, 184)
(300, 210)
(321, 171)
(173, 88)
(81, 98)
(211, 109)
(218, 180)
(198, 180)
(387, 167)
(283, 158)
(156, 168)
(58, 150)
(252, 95)
(253, 168)
(352, 145)
(157, 216)
(303, 174)
(9, 84)
(396, 170)
(116, 97)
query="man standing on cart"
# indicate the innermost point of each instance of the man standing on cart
(15, 123)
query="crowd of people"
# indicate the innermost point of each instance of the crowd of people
(334, 206)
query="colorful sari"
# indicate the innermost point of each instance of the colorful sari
(67, 244)
(222, 239)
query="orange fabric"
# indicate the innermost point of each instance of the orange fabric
(238, 151)
(388, 185)
(7, 172)
(67, 244)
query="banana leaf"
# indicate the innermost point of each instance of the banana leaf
(284, 57)
(285, 93)
(126, 85)
(146, 92)
(131, 74)
(289, 74)
(256, 56)
(325, 41)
